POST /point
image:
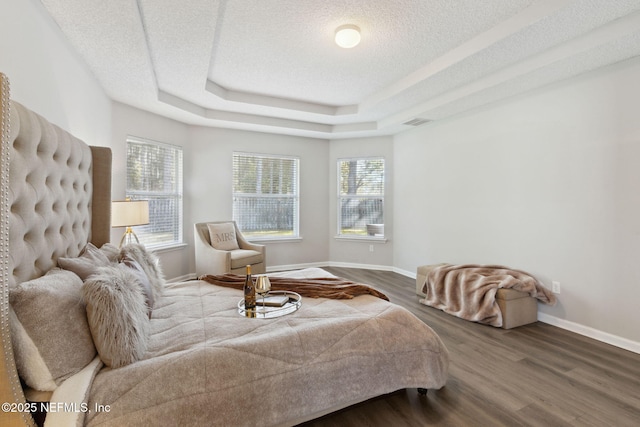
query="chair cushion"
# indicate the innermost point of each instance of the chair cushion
(242, 257)
(223, 236)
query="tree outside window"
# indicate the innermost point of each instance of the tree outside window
(361, 197)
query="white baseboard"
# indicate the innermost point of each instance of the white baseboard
(411, 274)
(362, 266)
(587, 331)
(275, 268)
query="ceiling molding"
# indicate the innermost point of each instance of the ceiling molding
(505, 29)
(600, 36)
(281, 103)
(269, 121)
(275, 68)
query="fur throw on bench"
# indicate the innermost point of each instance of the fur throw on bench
(469, 291)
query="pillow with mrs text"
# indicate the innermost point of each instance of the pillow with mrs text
(223, 236)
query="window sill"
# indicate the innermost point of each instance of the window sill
(370, 239)
(167, 248)
(276, 240)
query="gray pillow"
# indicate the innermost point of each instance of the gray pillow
(90, 259)
(142, 278)
(117, 315)
(50, 334)
(223, 236)
(149, 263)
(112, 252)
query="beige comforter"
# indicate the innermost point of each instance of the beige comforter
(206, 365)
(469, 291)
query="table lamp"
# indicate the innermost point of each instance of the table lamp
(128, 213)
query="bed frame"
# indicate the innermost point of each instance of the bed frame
(40, 158)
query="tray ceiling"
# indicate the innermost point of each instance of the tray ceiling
(272, 66)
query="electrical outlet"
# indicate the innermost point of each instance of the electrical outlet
(370, 248)
(555, 287)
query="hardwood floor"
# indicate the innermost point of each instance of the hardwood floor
(534, 375)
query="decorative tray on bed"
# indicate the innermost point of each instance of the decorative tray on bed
(292, 302)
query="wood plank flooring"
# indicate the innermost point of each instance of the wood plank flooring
(534, 375)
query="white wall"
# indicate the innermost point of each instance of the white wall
(358, 252)
(208, 160)
(547, 183)
(47, 76)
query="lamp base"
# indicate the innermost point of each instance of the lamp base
(128, 237)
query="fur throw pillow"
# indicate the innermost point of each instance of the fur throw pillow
(150, 265)
(112, 252)
(117, 315)
(142, 278)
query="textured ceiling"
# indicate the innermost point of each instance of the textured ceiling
(272, 66)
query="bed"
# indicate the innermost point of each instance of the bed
(201, 362)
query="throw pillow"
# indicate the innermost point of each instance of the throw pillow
(112, 252)
(50, 334)
(90, 259)
(223, 236)
(135, 268)
(117, 315)
(149, 263)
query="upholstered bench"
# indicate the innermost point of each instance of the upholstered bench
(517, 308)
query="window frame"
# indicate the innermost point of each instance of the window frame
(177, 195)
(340, 197)
(295, 236)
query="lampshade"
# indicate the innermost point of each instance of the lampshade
(126, 213)
(347, 36)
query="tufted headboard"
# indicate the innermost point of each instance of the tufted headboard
(56, 197)
(52, 179)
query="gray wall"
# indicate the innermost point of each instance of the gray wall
(358, 252)
(548, 183)
(208, 175)
(130, 121)
(207, 182)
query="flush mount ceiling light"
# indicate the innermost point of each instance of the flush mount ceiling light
(347, 36)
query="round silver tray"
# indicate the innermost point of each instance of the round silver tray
(267, 312)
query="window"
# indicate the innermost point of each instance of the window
(265, 195)
(361, 197)
(154, 173)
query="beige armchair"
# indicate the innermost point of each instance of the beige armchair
(210, 260)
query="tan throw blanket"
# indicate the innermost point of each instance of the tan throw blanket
(469, 291)
(324, 287)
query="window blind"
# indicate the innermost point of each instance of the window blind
(265, 195)
(154, 173)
